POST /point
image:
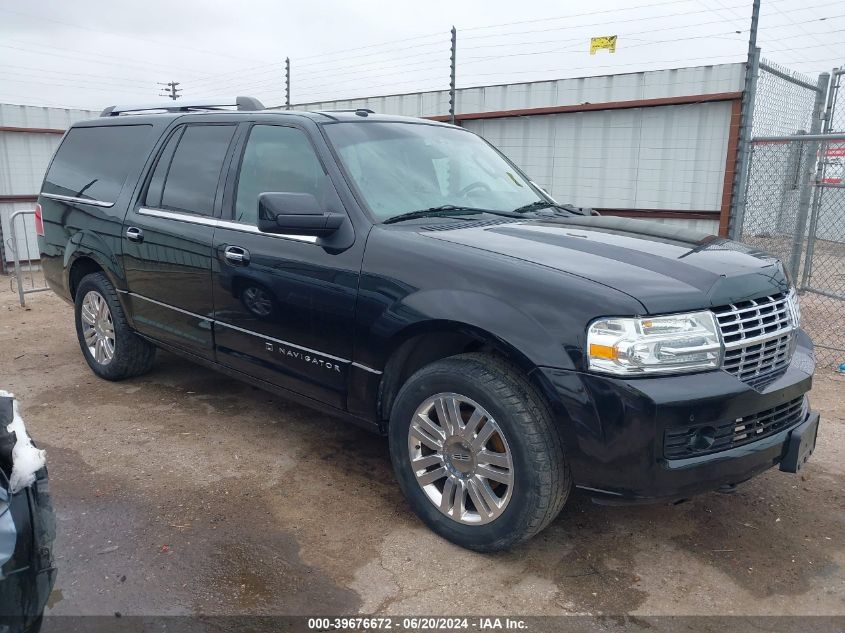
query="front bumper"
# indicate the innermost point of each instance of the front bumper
(614, 429)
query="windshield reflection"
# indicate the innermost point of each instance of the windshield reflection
(404, 167)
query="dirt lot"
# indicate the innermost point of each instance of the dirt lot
(184, 492)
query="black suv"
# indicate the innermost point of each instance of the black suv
(405, 275)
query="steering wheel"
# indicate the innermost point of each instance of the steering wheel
(473, 186)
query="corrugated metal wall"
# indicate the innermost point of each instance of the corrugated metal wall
(670, 158)
(28, 137)
(656, 84)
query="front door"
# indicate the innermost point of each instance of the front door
(284, 305)
(168, 238)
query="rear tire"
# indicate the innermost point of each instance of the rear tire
(110, 347)
(496, 477)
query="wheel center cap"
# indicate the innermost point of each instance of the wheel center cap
(459, 457)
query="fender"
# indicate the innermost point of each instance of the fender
(94, 246)
(486, 314)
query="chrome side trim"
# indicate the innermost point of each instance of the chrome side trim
(179, 217)
(251, 332)
(92, 202)
(365, 368)
(223, 224)
(166, 305)
(248, 228)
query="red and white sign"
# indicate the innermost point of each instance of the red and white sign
(834, 158)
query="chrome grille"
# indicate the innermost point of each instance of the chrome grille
(697, 440)
(758, 337)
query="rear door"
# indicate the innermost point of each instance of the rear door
(284, 305)
(168, 234)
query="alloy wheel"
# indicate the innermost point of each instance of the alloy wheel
(461, 459)
(98, 327)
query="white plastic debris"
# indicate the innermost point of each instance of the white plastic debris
(26, 459)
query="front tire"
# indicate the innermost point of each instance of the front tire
(476, 453)
(110, 347)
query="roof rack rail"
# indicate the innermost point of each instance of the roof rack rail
(366, 110)
(248, 104)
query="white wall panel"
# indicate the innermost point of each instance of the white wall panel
(666, 157)
(653, 84)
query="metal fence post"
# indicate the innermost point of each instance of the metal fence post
(287, 83)
(743, 159)
(791, 182)
(808, 188)
(818, 190)
(452, 68)
(17, 257)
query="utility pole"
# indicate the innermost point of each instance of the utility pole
(287, 83)
(171, 90)
(453, 62)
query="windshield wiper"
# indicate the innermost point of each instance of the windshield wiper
(547, 204)
(445, 210)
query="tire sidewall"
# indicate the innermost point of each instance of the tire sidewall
(512, 523)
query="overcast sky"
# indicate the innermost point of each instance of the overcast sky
(90, 53)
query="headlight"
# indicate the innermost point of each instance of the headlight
(794, 307)
(666, 344)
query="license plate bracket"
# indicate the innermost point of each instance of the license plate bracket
(801, 444)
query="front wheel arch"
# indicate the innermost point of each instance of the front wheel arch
(425, 343)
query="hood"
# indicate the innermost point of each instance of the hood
(665, 269)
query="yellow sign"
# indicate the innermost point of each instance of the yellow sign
(606, 41)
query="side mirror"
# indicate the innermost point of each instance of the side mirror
(295, 214)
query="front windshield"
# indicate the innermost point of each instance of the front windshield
(405, 167)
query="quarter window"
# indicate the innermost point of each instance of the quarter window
(93, 162)
(276, 159)
(189, 168)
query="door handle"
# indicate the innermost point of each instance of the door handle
(236, 256)
(134, 234)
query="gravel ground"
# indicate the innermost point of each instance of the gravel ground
(185, 492)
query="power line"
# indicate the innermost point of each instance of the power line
(39, 73)
(41, 18)
(91, 58)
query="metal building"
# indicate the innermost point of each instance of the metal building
(28, 137)
(658, 144)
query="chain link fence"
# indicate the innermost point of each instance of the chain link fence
(783, 103)
(795, 196)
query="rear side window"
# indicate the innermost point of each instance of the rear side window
(93, 162)
(156, 188)
(188, 171)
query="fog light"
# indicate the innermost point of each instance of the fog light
(702, 439)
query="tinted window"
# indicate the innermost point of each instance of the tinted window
(191, 181)
(276, 159)
(154, 191)
(93, 162)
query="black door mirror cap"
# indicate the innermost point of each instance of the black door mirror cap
(296, 214)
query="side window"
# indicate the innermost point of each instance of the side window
(276, 159)
(93, 162)
(156, 188)
(191, 176)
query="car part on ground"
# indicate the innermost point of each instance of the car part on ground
(27, 526)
